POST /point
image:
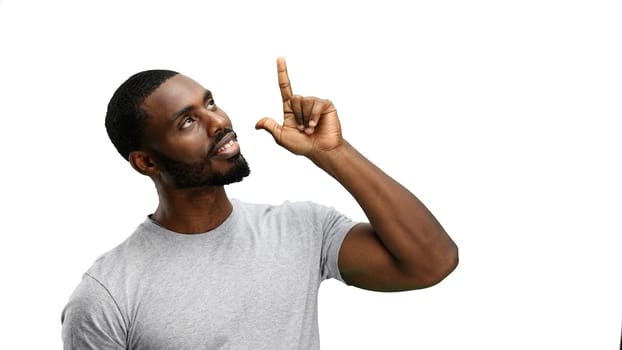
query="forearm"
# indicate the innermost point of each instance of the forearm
(406, 228)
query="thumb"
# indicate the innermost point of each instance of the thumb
(271, 126)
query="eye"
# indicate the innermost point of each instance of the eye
(210, 104)
(187, 122)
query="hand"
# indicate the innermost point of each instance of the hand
(310, 124)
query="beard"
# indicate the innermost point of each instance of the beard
(190, 175)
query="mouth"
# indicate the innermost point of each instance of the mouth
(227, 147)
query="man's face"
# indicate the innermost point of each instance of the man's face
(190, 137)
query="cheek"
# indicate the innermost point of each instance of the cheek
(190, 147)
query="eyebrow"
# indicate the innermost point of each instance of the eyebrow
(206, 96)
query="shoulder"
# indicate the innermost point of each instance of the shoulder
(92, 318)
(283, 207)
(305, 215)
(89, 294)
(293, 211)
(127, 258)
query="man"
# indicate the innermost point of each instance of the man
(205, 271)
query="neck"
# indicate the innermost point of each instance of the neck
(193, 210)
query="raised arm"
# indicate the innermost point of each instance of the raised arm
(403, 247)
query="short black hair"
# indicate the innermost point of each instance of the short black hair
(125, 117)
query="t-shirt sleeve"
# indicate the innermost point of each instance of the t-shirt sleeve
(92, 319)
(335, 227)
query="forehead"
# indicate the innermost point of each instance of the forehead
(174, 94)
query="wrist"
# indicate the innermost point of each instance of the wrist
(333, 158)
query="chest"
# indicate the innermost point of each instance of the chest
(217, 299)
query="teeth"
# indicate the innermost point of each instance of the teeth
(227, 145)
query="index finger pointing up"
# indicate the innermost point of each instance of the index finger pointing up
(286, 88)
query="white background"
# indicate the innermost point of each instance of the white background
(502, 116)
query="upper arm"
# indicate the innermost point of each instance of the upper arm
(91, 319)
(366, 263)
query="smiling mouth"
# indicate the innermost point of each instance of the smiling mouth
(226, 145)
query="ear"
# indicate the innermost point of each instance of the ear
(142, 162)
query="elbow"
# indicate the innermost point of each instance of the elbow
(418, 274)
(439, 267)
(447, 264)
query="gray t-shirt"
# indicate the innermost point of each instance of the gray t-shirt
(251, 283)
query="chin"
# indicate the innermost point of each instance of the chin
(238, 171)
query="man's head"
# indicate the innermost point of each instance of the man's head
(169, 128)
(125, 118)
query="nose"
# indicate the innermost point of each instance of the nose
(213, 122)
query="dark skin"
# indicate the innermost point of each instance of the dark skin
(403, 247)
